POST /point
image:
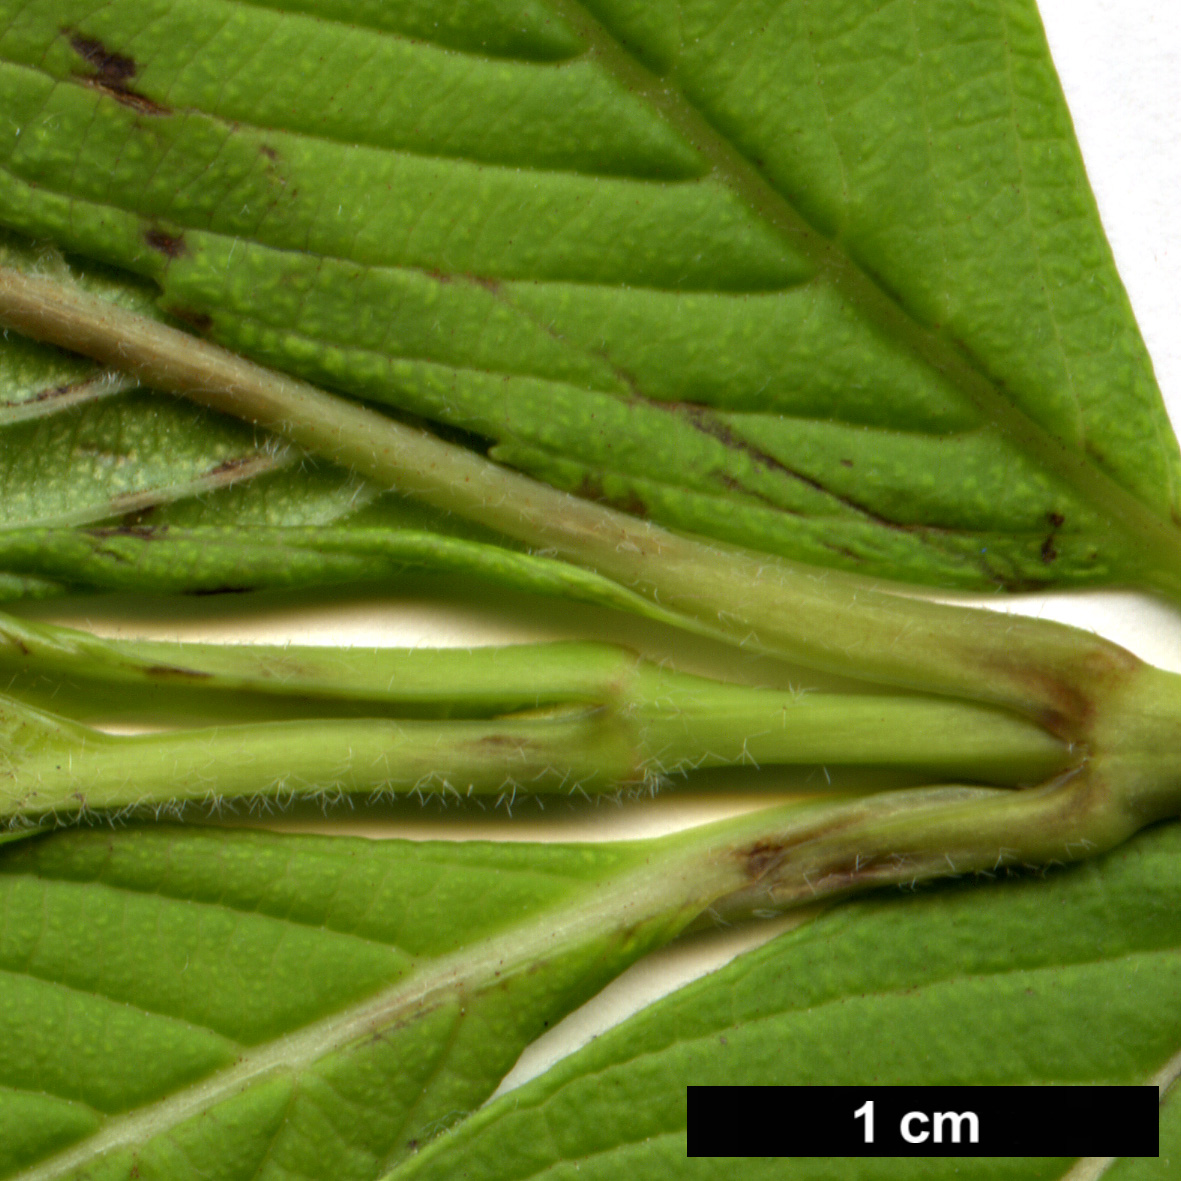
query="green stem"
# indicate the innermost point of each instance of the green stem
(821, 618)
(606, 718)
(832, 850)
(475, 681)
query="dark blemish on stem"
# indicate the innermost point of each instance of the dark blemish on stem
(167, 670)
(232, 465)
(112, 73)
(170, 245)
(219, 590)
(197, 321)
(861, 869)
(761, 857)
(24, 649)
(498, 742)
(592, 488)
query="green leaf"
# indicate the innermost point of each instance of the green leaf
(1070, 980)
(209, 1003)
(828, 282)
(179, 498)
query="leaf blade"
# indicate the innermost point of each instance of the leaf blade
(944, 988)
(167, 951)
(920, 302)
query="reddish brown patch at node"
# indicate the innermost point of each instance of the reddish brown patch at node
(169, 245)
(761, 857)
(112, 73)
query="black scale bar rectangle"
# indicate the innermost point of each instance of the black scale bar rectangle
(923, 1121)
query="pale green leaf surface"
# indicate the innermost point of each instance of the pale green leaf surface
(187, 500)
(1070, 980)
(825, 280)
(142, 968)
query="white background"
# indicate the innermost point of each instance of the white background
(1120, 65)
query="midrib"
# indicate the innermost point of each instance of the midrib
(1135, 522)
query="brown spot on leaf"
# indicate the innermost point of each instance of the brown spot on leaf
(846, 463)
(112, 74)
(843, 550)
(128, 98)
(112, 69)
(170, 245)
(268, 151)
(1049, 550)
(706, 421)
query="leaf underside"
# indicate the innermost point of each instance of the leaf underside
(823, 280)
(140, 970)
(1071, 980)
(144, 970)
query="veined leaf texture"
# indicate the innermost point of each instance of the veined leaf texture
(826, 280)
